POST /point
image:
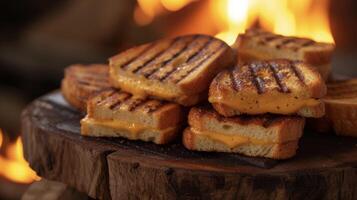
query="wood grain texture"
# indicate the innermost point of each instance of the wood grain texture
(113, 168)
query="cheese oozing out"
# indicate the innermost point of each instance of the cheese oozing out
(288, 104)
(134, 129)
(230, 140)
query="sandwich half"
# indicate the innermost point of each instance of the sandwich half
(270, 136)
(275, 86)
(82, 81)
(341, 109)
(113, 113)
(178, 69)
(257, 44)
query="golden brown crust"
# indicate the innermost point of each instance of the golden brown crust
(257, 44)
(309, 111)
(113, 104)
(251, 86)
(197, 113)
(149, 135)
(70, 94)
(82, 81)
(188, 139)
(310, 51)
(178, 69)
(193, 141)
(323, 69)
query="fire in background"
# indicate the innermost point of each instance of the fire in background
(227, 18)
(12, 163)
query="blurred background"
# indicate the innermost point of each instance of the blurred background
(39, 38)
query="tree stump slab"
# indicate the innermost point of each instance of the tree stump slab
(115, 168)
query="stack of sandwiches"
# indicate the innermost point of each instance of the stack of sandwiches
(256, 107)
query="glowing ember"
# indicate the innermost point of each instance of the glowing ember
(13, 166)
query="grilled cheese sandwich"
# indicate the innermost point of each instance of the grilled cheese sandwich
(257, 44)
(82, 81)
(178, 69)
(274, 86)
(114, 113)
(269, 136)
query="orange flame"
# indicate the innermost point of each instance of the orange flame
(146, 11)
(303, 18)
(13, 166)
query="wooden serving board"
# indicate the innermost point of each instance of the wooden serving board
(114, 168)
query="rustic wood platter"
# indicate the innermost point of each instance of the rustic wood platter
(114, 168)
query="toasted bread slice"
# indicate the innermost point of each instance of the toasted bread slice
(81, 81)
(113, 113)
(178, 69)
(270, 136)
(275, 86)
(257, 44)
(341, 109)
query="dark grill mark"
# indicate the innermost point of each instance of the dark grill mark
(135, 104)
(297, 72)
(126, 64)
(268, 39)
(106, 96)
(258, 81)
(199, 52)
(200, 63)
(278, 77)
(118, 101)
(308, 43)
(157, 55)
(92, 83)
(234, 80)
(175, 69)
(271, 38)
(287, 41)
(164, 64)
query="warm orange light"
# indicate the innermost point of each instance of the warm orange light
(303, 18)
(13, 166)
(174, 5)
(233, 15)
(147, 10)
(141, 18)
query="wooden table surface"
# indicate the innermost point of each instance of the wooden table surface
(114, 168)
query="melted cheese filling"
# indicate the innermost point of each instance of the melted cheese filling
(230, 140)
(266, 104)
(133, 128)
